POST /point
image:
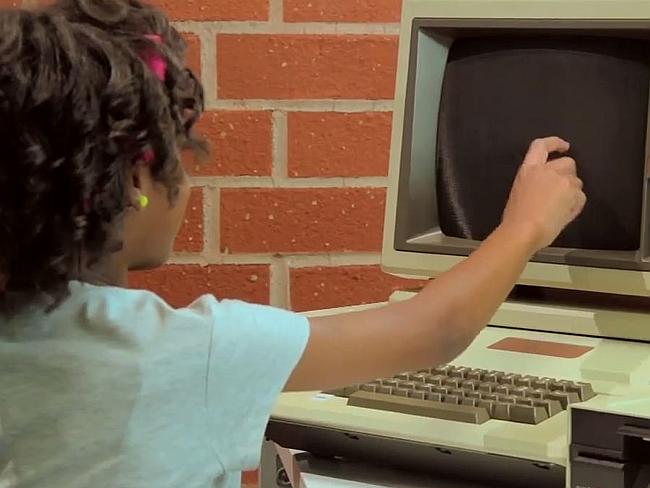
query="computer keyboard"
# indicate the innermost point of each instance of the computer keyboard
(469, 395)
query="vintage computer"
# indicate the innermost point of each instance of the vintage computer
(477, 81)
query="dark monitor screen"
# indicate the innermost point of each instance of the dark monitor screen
(499, 93)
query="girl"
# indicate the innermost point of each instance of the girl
(103, 386)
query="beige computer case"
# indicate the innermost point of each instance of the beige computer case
(617, 369)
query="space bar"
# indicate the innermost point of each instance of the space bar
(423, 408)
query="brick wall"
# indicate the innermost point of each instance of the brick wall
(289, 208)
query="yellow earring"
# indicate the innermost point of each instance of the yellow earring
(144, 201)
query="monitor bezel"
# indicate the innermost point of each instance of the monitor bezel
(412, 231)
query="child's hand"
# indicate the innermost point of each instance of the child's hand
(546, 195)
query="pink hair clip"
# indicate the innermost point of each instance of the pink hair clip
(158, 66)
(154, 59)
(148, 156)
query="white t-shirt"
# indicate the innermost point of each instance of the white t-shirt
(117, 389)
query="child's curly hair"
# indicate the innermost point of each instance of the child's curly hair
(78, 106)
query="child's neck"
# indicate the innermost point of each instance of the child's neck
(110, 271)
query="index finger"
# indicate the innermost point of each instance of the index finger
(540, 149)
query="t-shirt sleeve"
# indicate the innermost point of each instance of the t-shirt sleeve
(253, 351)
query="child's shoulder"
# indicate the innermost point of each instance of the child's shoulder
(143, 315)
(139, 320)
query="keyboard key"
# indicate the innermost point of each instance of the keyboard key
(421, 395)
(409, 385)
(500, 375)
(521, 391)
(372, 388)
(501, 411)
(487, 387)
(584, 390)
(460, 372)
(435, 379)
(472, 402)
(453, 399)
(487, 405)
(525, 380)
(442, 370)
(558, 386)
(470, 385)
(392, 383)
(552, 407)
(386, 390)
(538, 393)
(475, 374)
(459, 392)
(543, 383)
(422, 387)
(528, 414)
(425, 408)
(506, 399)
(401, 392)
(434, 397)
(491, 377)
(453, 382)
(503, 389)
(509, 379)
(564, 397)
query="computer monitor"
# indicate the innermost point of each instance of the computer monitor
(477, 82)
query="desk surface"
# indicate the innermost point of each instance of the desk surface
(306, 471)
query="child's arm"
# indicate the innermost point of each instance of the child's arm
(439, 323)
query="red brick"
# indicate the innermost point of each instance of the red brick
(193, 56)
(342, 10)
(306, 66)
(322, 288)
(339, 144)
(182, 284)
(301, 220)
(241, 144)
(190, 237)
(215, 9)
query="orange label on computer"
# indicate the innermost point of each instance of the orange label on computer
(541, 348)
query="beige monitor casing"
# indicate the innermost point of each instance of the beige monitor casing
(601, 13)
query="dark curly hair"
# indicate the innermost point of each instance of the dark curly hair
(78, 106)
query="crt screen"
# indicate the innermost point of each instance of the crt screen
(500, 93)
